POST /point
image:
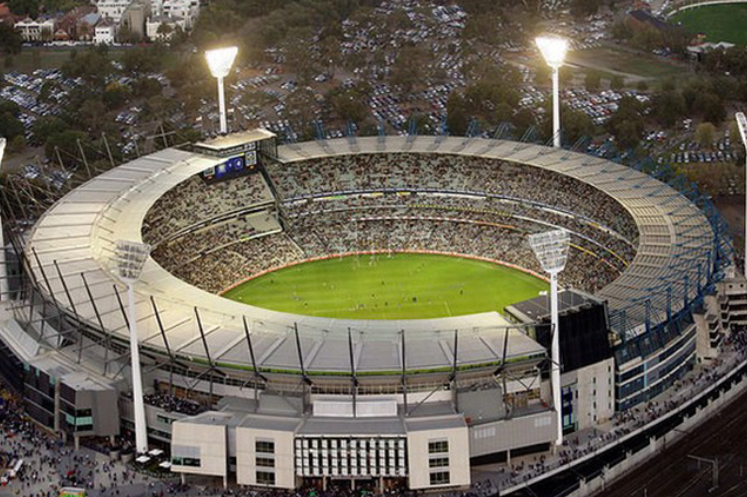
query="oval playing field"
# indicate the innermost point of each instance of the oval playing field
(396, 286)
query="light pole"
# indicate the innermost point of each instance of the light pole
(220, 61)
(4, 291)
(742, 125)
(551, 250)
(553, 50)
(131, 257)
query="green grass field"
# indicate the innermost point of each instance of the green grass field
(400, 286)
(718, 22)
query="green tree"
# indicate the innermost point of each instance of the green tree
(350, 105)
(668, 107)
(705, 134)
(627, 124)
(407, 70)
(17, 144)
(10, 39)
(46, 126)
(10, 126)
(457, 117)
(584, 8)
(66, 141)
(592, 81)
(617, 83)
(116, 95)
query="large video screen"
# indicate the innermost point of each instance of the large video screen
(232, 167)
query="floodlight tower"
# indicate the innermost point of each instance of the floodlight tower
(4, 291)
(551, 250)
(742, 125)
(220, 61)
(553, 50)
(130, 258)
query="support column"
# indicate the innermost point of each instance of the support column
(556, 106)
(138, 405)
(222, 105)
(555, 371)
(57, 410)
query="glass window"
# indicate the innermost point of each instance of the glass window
(185, 461)
(438, 447)
(438, 462)
(440, 478)
(265, 462)
(265, 478)
(265, 447)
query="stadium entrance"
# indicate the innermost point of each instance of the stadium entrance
(364, 485)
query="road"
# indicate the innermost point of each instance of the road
(674, 474)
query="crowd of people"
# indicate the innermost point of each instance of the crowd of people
(451, 173)
(193, 245)
(216, 256)
(196, 201)
(172, 403)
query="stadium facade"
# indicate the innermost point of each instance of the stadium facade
(283, 400)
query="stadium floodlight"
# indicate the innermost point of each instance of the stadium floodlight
(3, 269)
(220, 61)
(742, 125)
(551, 250)
(130, 258)
(554, 50)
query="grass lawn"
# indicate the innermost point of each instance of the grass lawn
(609, 59)
(718, 22)
(400, 286)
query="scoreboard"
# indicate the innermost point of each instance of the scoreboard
(239, 153)
(232, 167)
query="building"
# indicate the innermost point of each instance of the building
(36, 30)
(372, 444)
(105, 32)
(85, 27)
(113, 9)
(587, 360)
(697, 52)
(643, 19)
(163, 27)
(134, 18)
(294, 399)
(187, 10)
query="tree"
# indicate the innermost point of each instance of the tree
(66, 141)
(457, 118)
(592, 81)
(10, 39)
(17, 144)
(116, 95)
(627, 124)
(408, 67)
(46, 126)
(668, 107)
(617, 83)
(705, 134)
(350, 105)
(713, 108)
(584, 8)
(575, 124)
(522, 120)
(10, 125)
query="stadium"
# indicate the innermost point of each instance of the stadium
(363, 311)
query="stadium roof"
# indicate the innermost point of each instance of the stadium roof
(79, 234)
